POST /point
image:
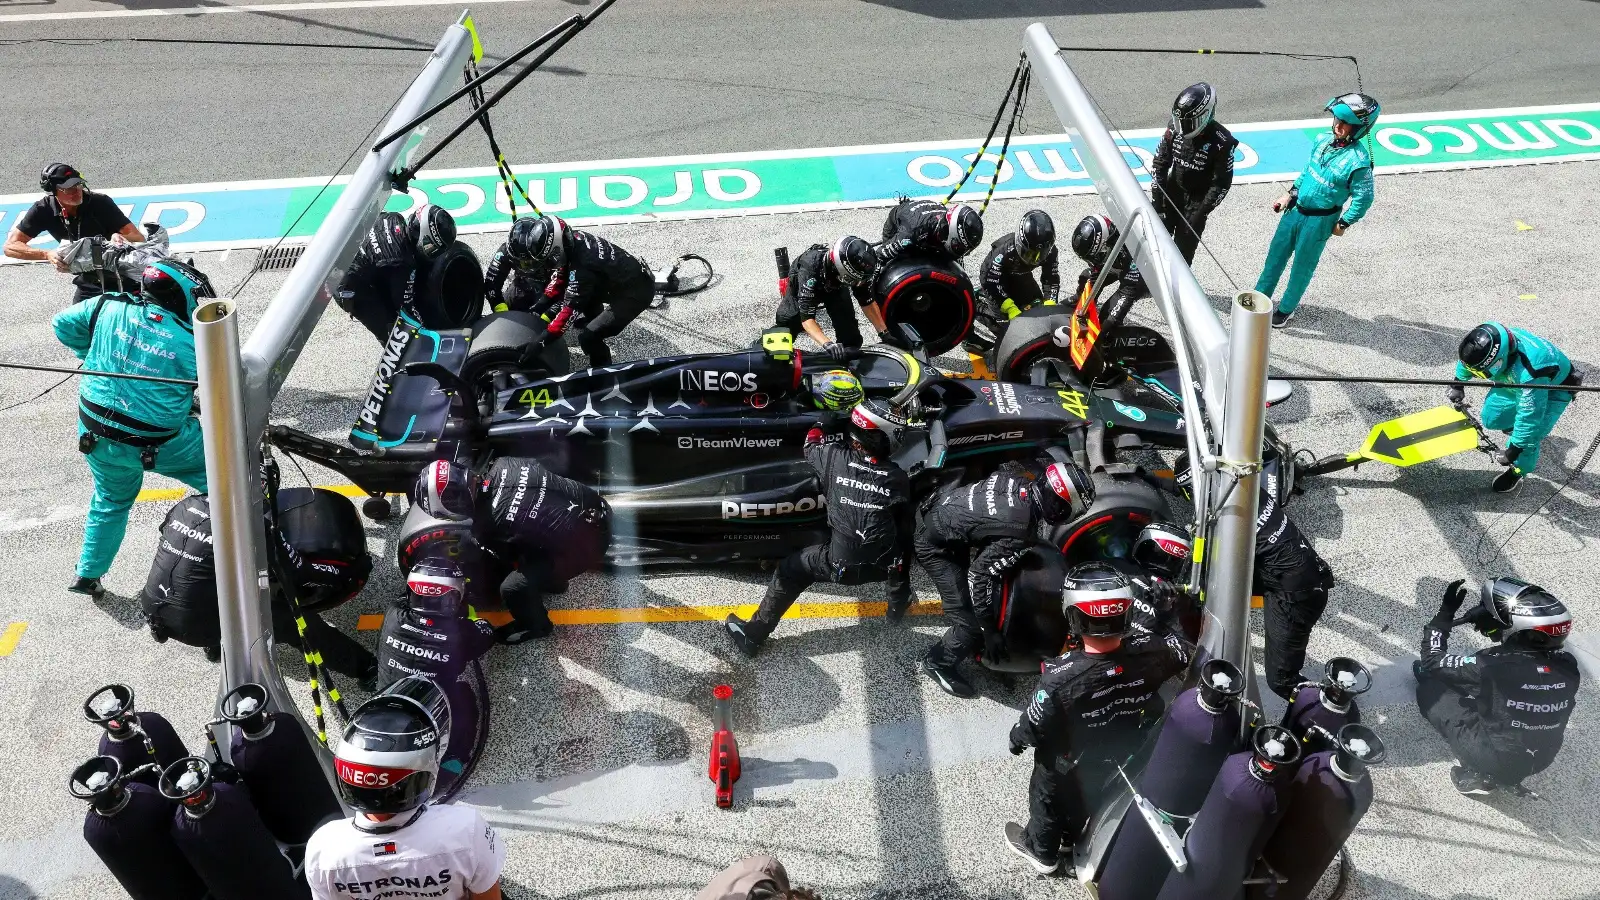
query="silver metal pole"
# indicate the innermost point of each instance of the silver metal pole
(235, 523)
(1225, 633)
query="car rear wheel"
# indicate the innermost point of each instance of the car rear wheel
(1027, 339)
(931, 295)
(500, 340)
(1122, 506)
(450, 291)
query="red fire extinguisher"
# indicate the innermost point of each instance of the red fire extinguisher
(724, 769)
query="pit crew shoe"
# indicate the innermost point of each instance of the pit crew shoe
(948, 679)
(747, 643)
(896, 611)
(1280, 319)
(1469, 783)
(1507, 481)
(213, 653)
(514, 632)
(1017, 842)
(89, 587)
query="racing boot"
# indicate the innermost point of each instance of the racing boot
(1469, 783)
(948, 679)
(1507, 481)
(1017, 842)
(89, 587)
(743, 635)
(595, 348)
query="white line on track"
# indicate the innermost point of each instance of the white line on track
(241, 8)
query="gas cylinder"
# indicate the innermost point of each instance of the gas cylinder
(129, 826)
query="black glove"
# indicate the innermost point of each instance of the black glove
(893, 340)
(1456, 394)
(994, 646)
(1000, 557)
(1018, 744)
(1454, 595)
(836, 351)
(1508, 455)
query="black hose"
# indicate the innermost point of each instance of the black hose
(1440, 382)
(71, 372)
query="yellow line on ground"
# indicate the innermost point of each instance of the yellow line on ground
(10, 637)
(154, 495)
(847, 609)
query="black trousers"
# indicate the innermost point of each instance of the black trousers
(841, 311)
(1061, 802)
(1289, 617)
(1186, 236)
(373, 303)
(623, 304)
(524, 577)
(803, 568)
(946, 564)
(1020, 287)
(1455, 716)
(339, 650)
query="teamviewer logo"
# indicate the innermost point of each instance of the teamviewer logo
(685, 443)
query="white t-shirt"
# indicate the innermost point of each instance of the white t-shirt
(441, 855)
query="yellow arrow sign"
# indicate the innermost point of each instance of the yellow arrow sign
(1420, 437)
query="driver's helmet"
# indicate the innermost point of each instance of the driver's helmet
(1036, 236)
(1359, 110)
(1193, 109)
(1065, 492)
(1096, 599)
(1513, 611)
(1092, 239)
(432, 230)
(875, 427)
(1162, 549)
(175, 286)
(853, 259)
(836, 389)
(966, 230)
(387, 761)
(444, 490)
(437, 586)
(1487, 349)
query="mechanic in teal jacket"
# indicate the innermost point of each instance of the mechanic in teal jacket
(126, 427)
(1514, 357)
(1314, 209)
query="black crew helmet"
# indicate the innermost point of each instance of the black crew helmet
(852, 259)
(1194, 109)
(1512, 611)
(432, 230)
(1487, 349)
(1096, 598)
(444, 490)
(1063, 493)
(966, 230)
(1036, 236)
(875, 427)
(175, 286)
(520, 243)
(387, 761)
(548, 239)
(1092, 239)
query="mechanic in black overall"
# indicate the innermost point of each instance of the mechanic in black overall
(534, 531)
(869, 521)
(1090, 710)
(1092, 241)
(999, 517)
(928, 226)
(833, 279)
(382, 278)
(601, 287)
(1193, 167)
(1502, 710)
(517, 262)
(1005, 280)
(69, 211)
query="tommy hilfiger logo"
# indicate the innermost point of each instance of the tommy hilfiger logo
(384, 848)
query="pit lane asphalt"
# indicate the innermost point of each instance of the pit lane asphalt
(666, 77)
(859, 774)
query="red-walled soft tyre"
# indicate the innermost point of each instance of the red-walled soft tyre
(933, 296)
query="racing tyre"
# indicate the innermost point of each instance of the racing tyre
(1122, 506)
(1028, 338)
(498, 343)
(450, 292)
(933, 296)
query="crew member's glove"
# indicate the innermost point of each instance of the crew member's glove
(836, 351)
(1016, 746)
(1454, 595)
(1456, 394)
(994, 646)
(559, 323)
(500, 307)
(892, 340)
(1508, 455)
(1000, 557)
(1009, 307)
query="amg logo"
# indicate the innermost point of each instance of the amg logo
(712, 380)
(733, 510)
(984, 438)
(392, 351)
(733, 443)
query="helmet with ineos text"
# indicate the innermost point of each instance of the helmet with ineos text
(966, 230)
(1357, 109)
(1096, 599)
(175, 286)
(1064, 492)
(1194, 109)
(444, 490)
(1162, 549)
(853, 259)
(1486, 349)
(1036, 235)
(1093, 238)
(387, 760)
(437, 585)
(432, 230)
(875, 427)
(836, 390)
(1512, 611)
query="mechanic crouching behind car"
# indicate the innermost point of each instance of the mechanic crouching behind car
(835, 279)
(1090, 710)
(533, 530)
(869, 512)
(383, 278)
(999, 517)
(601, 287)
